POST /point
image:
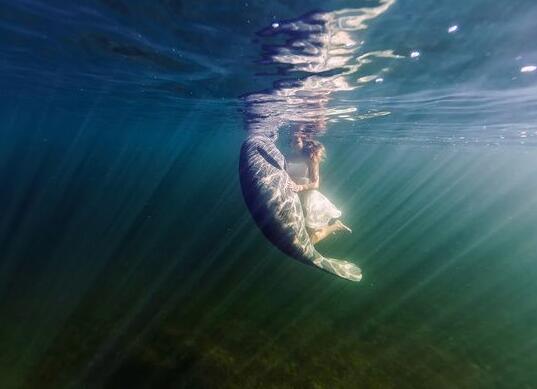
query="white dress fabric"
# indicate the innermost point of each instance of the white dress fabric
(318, 210)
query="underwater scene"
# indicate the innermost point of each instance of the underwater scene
(268, 194)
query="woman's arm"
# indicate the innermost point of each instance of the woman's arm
(313, 167)
(314, 174)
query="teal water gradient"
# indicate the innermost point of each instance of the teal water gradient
(127, 255)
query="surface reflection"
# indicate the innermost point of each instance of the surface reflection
(319, 54)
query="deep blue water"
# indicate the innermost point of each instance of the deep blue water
(128, 257)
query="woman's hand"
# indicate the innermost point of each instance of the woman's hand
(301, 188)
(294, 187)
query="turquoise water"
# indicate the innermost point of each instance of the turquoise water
(128, 258)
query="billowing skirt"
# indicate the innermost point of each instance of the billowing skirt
(318, 210)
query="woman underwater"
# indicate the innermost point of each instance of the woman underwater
(321, 216)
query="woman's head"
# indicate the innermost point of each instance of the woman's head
(297, 141)
(314, 149)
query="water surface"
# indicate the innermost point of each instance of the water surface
(128, 257)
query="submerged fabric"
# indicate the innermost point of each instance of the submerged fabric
(298, 170)
(318, 210)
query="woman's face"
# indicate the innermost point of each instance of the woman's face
(297, 142)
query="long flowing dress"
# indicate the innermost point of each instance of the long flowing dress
(318, 210)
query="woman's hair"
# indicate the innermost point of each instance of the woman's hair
(314, 149)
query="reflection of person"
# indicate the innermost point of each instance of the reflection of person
(321, 216)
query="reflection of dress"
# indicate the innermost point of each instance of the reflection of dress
(318, 210)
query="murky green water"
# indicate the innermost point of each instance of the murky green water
(129, 259)
(138, 274)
